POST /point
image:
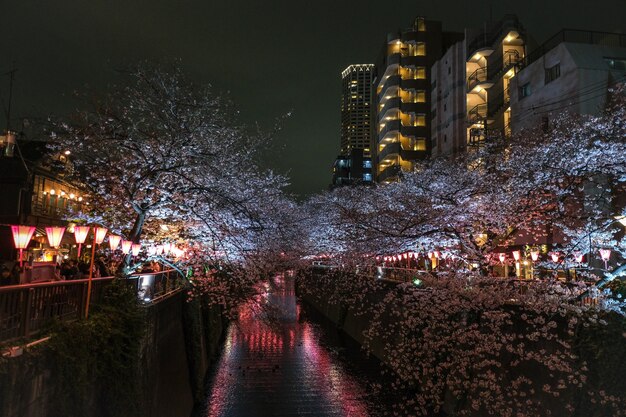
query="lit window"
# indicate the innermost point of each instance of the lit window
(420, 49)
(367, 177)
(367, 163)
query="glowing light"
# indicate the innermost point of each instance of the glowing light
(80, 234)
(52, 192)
(417, 281)
(167, 247)
(158, 250)
(555, 257)
(21, 237)
(100, 233)
(136, 247)
(114, 241)
(67, 152)
(621, 219)
(516, 255)
(605, 254)
(436, 254)
(502, 257)
(55, 235)
(534, 255)
(126, 246)
(578, 257)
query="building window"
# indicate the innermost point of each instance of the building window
(367, 163)
(367, 177)
(420, 49)
(553, 73)
(420, 96)
(420, 24)
(524, 90)
(420, 73)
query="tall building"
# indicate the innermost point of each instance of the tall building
(571, 72)
(471, 91)
(401, 123)
(356, 104)
(493, 56)
(353, 168)
(448, 128)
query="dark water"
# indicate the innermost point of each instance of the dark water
(301, 366)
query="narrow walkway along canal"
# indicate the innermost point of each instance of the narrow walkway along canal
(295, 367)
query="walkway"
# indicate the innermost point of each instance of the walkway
(282, 370)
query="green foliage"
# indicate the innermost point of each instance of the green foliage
(92, 363)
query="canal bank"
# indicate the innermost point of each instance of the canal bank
(147, 361)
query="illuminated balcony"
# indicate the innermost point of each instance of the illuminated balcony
(478, 80)
(389, 173)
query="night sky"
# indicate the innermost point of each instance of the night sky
(273, 56)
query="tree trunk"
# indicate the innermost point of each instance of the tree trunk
(134, 236)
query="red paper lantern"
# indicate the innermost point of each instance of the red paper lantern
(114, 241)
(126, 246)
(100, 233)
(80, 234)
(21, 237)
(55, 235)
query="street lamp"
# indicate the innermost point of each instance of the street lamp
(605, 254)
(126, 245)
(55, 235)
(114, 242)
(80, 234)
(21, 238)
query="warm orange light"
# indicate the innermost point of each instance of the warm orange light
(126, 245)
(136, 247)
(114, 241)
(80, 233)
(21, 237)
(55, 235)
(100, 233)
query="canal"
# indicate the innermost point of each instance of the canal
(294, 364)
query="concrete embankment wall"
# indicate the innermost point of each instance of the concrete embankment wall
(178, 342)
(354, 323)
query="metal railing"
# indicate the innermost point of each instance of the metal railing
(27, 309)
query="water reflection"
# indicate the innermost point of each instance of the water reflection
(282, 369)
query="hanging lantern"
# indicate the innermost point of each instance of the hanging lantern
(555, 257)
(114, 241)
(158, 250)
(516, 255)
(430, 255)
(415, 255)
(411, 255)
(126, 246)
(502, 257)
(99, 234)
(21, 237)
(405, 255)
(80, 234)
(136, 247)
(55, 235)
(436, 254)
(534, 255)
(605, 254)
(578, 257)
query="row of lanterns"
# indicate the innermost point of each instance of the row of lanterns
(605, 255)
(23, 234)
(410, 255)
